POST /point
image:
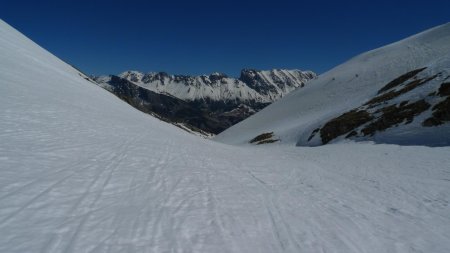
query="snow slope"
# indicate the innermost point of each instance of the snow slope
(350, 85)
(82, 171)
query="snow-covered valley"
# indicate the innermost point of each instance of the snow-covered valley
(82, 171)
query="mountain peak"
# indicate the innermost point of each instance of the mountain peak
(180, 98)
(252, 85)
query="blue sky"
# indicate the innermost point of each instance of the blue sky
(200, 37)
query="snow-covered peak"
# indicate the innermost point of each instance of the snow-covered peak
(252, 85)
(132, 75)
(218, 74)
(276, 80)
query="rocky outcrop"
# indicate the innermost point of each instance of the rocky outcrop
(398, 103)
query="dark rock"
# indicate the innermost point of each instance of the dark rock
(344, 124)
(401, 79)
(444, 90)
(393, 115)
(351, 134)
(264, 137)
(393, 94)
(441, 114)
(266, 141)
(313, 133)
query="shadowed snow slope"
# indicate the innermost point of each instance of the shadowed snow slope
(81, 171)
(350, 85)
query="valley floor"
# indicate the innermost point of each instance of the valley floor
(159, 191)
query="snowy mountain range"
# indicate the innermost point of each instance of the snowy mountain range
(394, 94)
(252, 85)
(206, 104)
(82, 171)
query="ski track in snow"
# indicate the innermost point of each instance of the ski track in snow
(81, 171)
(147, 193)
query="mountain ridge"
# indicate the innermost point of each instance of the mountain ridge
(210, 103)
(258, 85)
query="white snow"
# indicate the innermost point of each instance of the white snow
(202, 87)
(82, 171)
(348, 86)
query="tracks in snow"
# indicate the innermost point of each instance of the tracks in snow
(127, 197)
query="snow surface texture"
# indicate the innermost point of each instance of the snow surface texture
(348, 86)
(265, 87)
(82, 171)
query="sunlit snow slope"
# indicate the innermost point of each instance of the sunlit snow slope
(350, 85)
(81, 171)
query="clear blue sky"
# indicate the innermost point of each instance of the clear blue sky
(196, 37)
